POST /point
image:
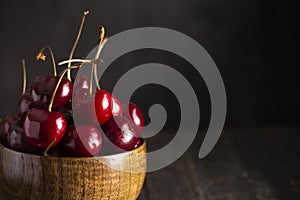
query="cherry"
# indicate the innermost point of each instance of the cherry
(117, 107)
(68, 113)
(103, 106)
(16, 140)
(108, 148)
(83, 82)
(82, 141)
(103, 99)
(43, 87)
(83, 107)
(120, 131)
(88, 106)
(44, 128)
(133, 112)
(25, 102)
(6, 126)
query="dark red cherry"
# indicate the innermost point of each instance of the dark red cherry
(68, 113)
(6, 126)
(82, 141)
(43, 88)
(43, 127)
(16, 140)
(81, 82)
(133, 112)
(83, 107)
(108, 148)
(120, 131)
(117, 107)
(25, 102)
(103, 106)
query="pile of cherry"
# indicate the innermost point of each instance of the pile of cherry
(45, 120)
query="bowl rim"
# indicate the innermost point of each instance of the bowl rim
(136, 150)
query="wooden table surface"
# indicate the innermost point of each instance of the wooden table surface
(261, 163)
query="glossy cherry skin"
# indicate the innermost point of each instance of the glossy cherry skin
(43, 127)
(6, 126)
(103, 106)
(82, 141)
(120, 131)
(16, 140)
(133, 112)
(25, 102)
(82, 82)
(43, 88)
(83, 107)
(117, 107)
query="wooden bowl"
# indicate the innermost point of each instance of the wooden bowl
(27, 176)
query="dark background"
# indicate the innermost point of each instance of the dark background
(253, 42)
(255, 46)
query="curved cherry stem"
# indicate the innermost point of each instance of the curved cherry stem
(76, 41)
(24, 76)
(102, 43)
(57, 85)
(100, 46)
(46, 151)
(74, 60)
(42, 56)
(52, 100)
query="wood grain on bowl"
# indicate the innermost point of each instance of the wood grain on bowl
(33, 177)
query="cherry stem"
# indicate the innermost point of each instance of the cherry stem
(41, 56)
(102, 42)
(74, 60)
(24, 76)
(46, 151)
(96, 76)
(57, 85)
(76, 41)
